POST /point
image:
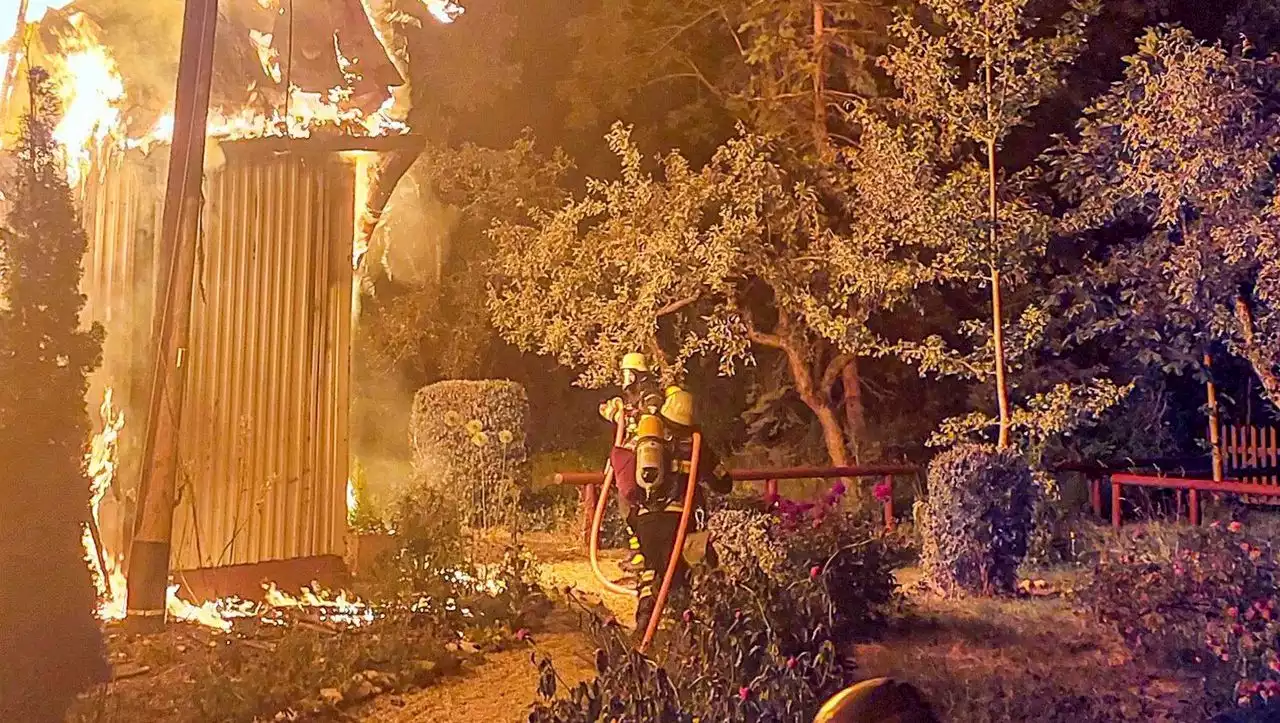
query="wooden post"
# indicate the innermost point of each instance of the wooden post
(1095, 496)
(149, 553)
(1215, 442)
(589, 495)
(771, 488)
(1116, 499)
(889, 521)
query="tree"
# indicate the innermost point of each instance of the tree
(1179, 161)
(52, 644)
(927, 176)
(717, 261)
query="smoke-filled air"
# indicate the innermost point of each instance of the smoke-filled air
(638, 361)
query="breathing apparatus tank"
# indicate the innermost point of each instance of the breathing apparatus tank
(651, 452)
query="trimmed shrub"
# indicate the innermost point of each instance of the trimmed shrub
(468, 442)
(976, 523)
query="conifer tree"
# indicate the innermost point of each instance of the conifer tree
(52, 646)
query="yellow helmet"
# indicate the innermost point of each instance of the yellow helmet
(879, 700)
(678, 407)
(636, 362)
(649, 426)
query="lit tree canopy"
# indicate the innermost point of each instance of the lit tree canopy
(711, 261)
(927, 185)
(1181, 157)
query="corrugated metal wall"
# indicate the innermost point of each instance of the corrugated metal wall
(265, 421)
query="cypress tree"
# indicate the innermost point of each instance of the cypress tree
(51, 644)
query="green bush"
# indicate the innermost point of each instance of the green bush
(976, 523)
(469, 443)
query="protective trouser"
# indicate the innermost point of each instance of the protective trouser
(656, 532)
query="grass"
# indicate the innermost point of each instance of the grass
(1024, 659)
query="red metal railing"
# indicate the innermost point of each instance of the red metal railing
(1193, 487)
(589, 480)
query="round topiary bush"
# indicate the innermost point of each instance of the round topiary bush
(977, 520)
(468, 441)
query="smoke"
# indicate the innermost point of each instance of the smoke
(412, 243)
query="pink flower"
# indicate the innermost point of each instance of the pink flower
(522, 634)
(815, 572)
(883, 491)
(744, 693)
(688, 616)
(1234, 526)
(792, 663)
(838, 488)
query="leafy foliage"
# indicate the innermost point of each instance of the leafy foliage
(688, 260)
(1179, 158)
(469, 444)
(976, 523)
(927, 185)
(1209, 599)
(753, 645)
(702, 65)
(53, 648)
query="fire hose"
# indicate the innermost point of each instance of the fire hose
(677, 548)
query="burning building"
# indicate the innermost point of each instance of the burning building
(303, 124)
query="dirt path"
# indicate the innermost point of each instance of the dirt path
(501, 689)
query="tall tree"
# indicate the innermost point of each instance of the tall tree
(970, 73)
(51, 642)
(1179, 162)
(717, 261)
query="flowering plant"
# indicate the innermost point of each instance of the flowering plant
(1211, 599)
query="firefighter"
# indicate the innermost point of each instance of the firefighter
(656, 517)
(880, 700)
(640, 395)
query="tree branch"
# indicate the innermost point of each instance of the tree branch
(677, 305)
(834, 368)
(1262, 366)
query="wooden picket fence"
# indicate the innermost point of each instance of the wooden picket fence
(1252, 454)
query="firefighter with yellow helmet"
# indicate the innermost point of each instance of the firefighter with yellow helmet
(664, 455)
(879, 700)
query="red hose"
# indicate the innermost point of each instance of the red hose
(677, 550)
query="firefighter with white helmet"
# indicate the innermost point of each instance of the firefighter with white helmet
(640, 396)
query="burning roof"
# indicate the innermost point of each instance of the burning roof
(282, 68)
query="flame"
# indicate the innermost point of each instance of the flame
(101, 466)
(91, 90)
(445, 11)
(342, 608)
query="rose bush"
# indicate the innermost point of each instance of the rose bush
(1207, 598)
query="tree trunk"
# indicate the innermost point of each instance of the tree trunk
(832, 435)
(1263, 365)
(819, 68)
(997, 306)
(854, 414)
